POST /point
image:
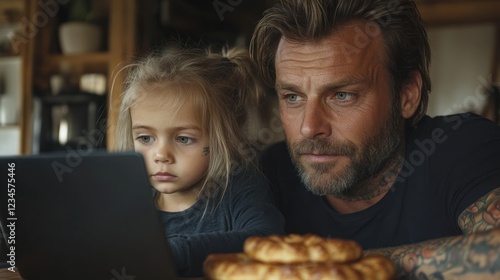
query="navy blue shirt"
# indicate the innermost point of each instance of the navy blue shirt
(222, 225)
(450, 162)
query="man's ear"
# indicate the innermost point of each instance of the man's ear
(411, 93)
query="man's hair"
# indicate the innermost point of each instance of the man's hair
(398, 21)
(220, 85)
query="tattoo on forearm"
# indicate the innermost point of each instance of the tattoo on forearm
(447, 258)
(474, 255)
(483, 215)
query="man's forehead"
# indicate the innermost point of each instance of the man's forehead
(344, 43)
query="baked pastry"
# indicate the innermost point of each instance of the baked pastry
(295, 248)
(239, 266)
(298, 257)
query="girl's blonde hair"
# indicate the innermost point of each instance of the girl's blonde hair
(220, 85)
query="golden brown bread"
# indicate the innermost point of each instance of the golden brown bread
(239, 266)
(295, 248)
(298, 257)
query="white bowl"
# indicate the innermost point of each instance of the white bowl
(79, 37)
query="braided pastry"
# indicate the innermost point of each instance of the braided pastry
(298, 257)
(296, 248)
(239, 266)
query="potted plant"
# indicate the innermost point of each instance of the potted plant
(80, 34)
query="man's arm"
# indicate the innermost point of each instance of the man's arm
(474, 255)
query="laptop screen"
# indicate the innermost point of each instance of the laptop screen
(74, 216)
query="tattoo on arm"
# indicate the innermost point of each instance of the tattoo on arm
(474, 255)
(467, 256)
(483, 215)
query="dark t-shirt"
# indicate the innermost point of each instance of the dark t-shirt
(450, 162)
(222, 225)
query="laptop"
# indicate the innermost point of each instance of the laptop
(82, 216)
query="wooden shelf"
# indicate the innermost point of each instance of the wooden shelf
(9, 126)
(42, 59)
(98, 57)
(8, 55)
(443, 12)
(12, 5)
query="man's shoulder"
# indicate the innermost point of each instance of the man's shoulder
(468, 125)
(456, 121)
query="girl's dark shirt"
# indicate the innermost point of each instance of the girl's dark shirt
(222, 225)
(450, 162)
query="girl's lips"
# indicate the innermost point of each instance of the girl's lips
(164, 176)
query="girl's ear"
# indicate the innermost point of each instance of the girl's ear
(411, 94)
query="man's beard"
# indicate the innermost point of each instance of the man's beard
(366, 161)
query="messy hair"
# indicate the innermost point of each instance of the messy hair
(405, 38)
(221, 86)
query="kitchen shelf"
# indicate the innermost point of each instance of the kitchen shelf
(97, 57)
(45, 59)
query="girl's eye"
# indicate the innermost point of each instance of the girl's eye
(145, 139)
(185, 140)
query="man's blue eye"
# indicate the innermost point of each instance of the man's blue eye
(342, 95)
(292, 97)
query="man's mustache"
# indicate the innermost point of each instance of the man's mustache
(323, 147)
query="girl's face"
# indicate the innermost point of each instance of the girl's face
(173, 144)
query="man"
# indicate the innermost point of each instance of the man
(361, 159)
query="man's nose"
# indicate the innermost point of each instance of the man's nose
(316, 120)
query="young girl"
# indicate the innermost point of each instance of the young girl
(184, 110)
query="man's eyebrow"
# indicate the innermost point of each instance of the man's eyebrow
(342, 83)
(329, 86)
(281, 86)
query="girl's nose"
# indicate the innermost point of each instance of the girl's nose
(163, 154)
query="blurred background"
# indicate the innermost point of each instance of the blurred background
(61, 62)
